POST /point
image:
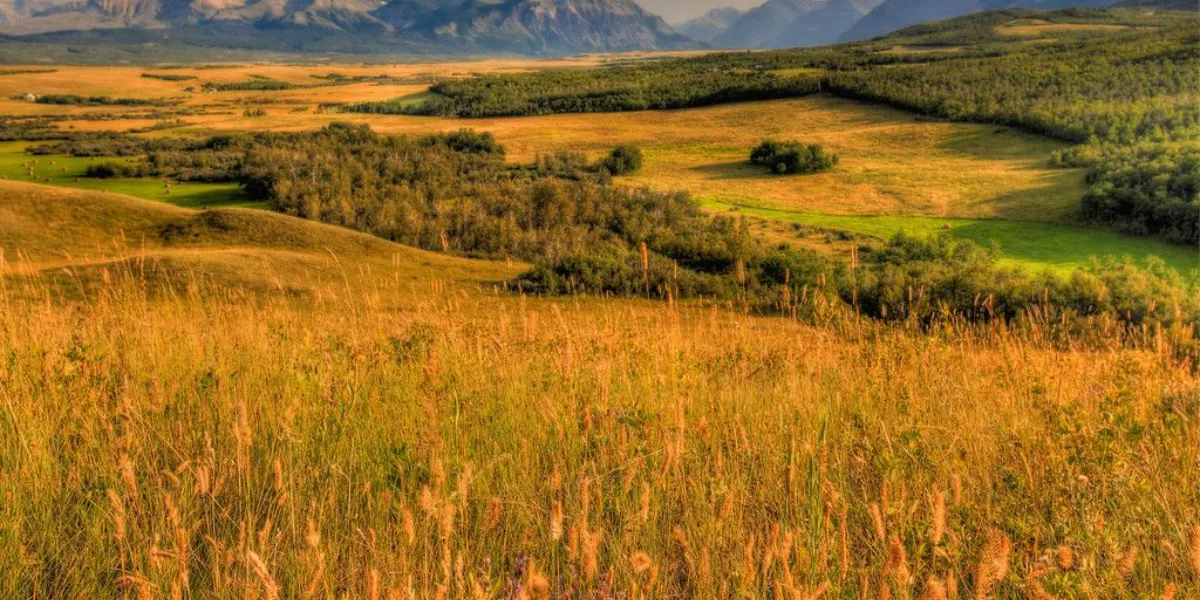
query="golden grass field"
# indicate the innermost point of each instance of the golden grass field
(209, 418)
(235, 404)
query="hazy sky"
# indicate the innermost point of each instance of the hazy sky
(675, 11)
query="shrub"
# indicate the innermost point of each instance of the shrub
(623, 160)
(110, 170)
(470, 142)
(792, 158)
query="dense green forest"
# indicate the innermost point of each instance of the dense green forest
(77, 100)
(1137, 82)
(1147, 189)
(670, 85)
(455, 193)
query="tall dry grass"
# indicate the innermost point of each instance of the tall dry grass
(208, 443)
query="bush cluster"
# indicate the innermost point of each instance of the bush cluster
(623, 160)
(77, 100)
(110, 170)
(793, 158)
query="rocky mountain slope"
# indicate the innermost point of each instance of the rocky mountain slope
(760, 26)
(790, 23)
(706, 28)
(821, 26)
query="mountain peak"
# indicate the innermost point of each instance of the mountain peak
(707, 27)
(779, 23)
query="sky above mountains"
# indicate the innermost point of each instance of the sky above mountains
(677, 11)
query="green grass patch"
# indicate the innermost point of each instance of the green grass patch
(415, 99)
(68, 171)
(1061, 248)
(397, 106)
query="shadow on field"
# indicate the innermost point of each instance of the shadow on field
(1001, 143)
(218, 198)
(731, 170)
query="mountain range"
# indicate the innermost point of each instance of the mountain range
(525, 26)
(482, 26)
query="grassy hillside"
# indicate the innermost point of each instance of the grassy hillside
(203, 399)
(77, 239)
(396, 430)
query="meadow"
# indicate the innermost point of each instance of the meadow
(204, 398)
(240, 404)
(995, 179)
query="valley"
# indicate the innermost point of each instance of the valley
(995, 179)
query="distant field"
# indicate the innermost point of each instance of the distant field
(897, 171)
(127, 81)
(892, 162)
(1037, 27)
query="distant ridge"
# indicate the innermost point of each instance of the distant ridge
(893, 15)
(1192, 5)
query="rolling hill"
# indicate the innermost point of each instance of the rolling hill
(46, 229)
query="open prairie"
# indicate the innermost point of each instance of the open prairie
(911, 170)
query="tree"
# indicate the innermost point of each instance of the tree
(623, 160)
(792, 158)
